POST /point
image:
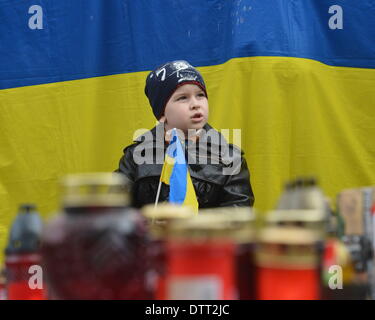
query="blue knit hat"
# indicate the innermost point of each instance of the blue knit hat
(162, 82)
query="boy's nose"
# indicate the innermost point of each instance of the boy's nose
(195, 104)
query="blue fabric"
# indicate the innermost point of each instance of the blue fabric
(82, 39)
(178, 180)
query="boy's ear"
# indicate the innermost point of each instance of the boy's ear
(162, 119)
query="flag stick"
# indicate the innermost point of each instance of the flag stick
(157, 195)
(156, 200)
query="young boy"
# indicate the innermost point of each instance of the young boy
(178, 98)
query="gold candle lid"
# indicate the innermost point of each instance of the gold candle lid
(159, 218)
(166, 211)
(288, 236)
(200, 227)
(104, 189)
(297, 215)
(288, 248)
(241, 221)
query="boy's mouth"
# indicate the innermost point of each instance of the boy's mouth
(197, 117)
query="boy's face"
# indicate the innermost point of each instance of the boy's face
(186, 109)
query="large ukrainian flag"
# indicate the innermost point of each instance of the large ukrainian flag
(175, 173)
(296, 76)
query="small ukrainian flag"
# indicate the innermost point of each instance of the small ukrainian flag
(175, 173)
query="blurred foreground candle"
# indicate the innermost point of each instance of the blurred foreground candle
(288, 264)
(241, 225)
(159, 220)
(24, 276)
(201, 259)
(96, 248)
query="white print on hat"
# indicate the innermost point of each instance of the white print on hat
(157, 72)
(180, 65)
(188, 77)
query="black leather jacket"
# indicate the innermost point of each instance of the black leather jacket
(213, 188)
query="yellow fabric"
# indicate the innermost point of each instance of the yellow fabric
(166, 172)
(191, 198)
(297, 117)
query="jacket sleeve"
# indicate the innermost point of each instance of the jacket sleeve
(127, 166)
(237, 190)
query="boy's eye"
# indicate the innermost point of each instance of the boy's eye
(201, 94)
(181, 98)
